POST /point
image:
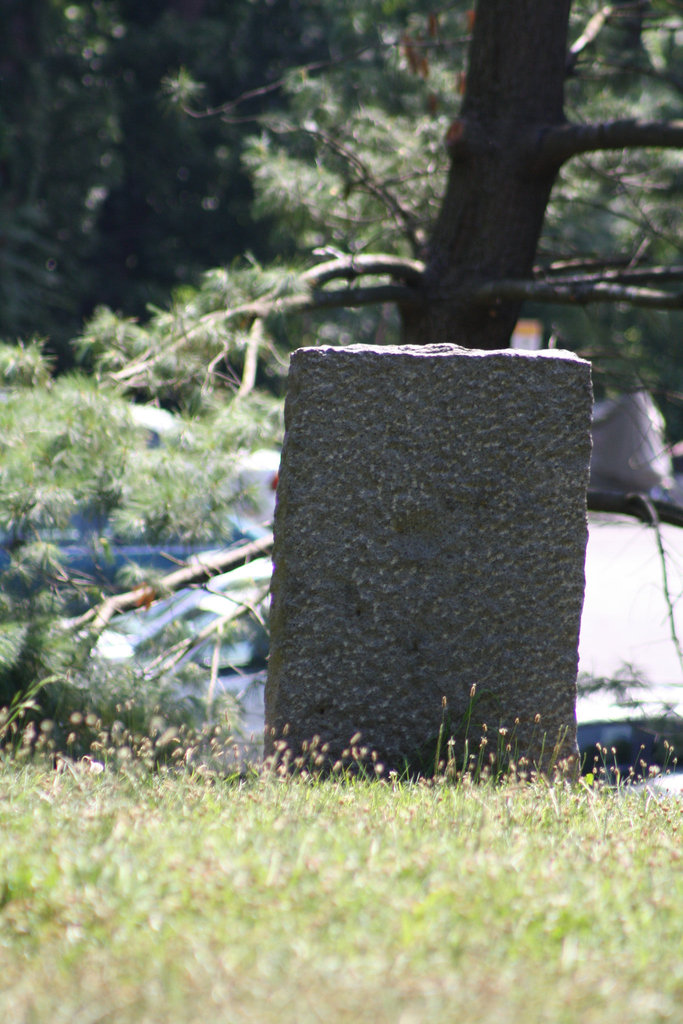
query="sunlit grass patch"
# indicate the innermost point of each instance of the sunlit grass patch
(166, 894)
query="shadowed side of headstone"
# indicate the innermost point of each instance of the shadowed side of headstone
(430, 537)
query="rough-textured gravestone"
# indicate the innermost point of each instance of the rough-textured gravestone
(430, 537)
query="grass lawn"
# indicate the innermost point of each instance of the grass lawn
(155, 897)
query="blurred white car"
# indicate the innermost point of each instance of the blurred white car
(630, 663)
(631, 643)
(633, 605)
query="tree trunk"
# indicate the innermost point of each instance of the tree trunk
(493, 208)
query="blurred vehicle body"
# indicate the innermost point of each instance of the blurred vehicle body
(630, 699)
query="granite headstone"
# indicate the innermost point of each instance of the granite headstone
(430, 536)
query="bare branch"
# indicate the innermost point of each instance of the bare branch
(588, 36)
(576, 293)
(354, 297)
(623, 275)
(196, 572)
(350, 267)
(581, 264)
(168, 660)
(225, 110)
(251, 351)
(308, 302)
(611, 67)
(637, 505)
(560, 143)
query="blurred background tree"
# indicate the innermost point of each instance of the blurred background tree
(106, 196)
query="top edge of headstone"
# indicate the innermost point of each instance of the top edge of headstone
(442, 351)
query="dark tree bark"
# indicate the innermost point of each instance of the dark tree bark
(560, 143)
(505, 153)
(495, 201)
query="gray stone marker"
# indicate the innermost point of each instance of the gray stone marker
(430, 536)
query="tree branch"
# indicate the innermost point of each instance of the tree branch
(312, 297)
(402, 295)
(361, 177)
(196, 572)
(623, 275)
(588, 36)
(576, 293)
(554, 146)
(640, 506)
(168, 660)
(251, 351)
(350, 267)
(666, 77)
(308, 302)
(225, 110)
